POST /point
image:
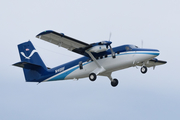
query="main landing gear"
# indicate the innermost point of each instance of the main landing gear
(92, 76)
(143, 69)
(100, 69)
(114, 82)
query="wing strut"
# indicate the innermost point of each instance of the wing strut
(100, 68)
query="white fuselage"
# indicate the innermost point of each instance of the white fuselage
(123, 60)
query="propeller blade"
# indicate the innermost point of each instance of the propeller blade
(110, 36)
(141, 43)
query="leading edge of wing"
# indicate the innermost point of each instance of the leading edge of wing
(61, 35)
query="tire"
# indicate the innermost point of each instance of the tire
(144, 69)
(92, 76)
(114, 83)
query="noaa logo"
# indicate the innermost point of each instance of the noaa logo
(28, 57)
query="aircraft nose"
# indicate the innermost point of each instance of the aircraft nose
(154, 52)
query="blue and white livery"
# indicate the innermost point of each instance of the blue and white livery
(99, 59)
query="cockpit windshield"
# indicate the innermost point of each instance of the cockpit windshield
(133, 46)
(130, 47)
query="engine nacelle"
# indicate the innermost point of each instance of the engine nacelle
(98, 48)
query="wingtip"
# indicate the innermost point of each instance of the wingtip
(44, 32)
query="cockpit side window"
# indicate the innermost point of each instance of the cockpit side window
(128, 48)
(133, 46)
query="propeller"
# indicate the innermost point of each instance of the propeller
(110, 36)
(112, 52)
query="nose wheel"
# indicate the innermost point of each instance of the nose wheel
(144, 69)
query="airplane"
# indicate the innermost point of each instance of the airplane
(99, 59)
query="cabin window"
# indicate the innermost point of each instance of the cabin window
(127, 48)
(80, 65)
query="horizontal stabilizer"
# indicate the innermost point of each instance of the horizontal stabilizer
(27, 65)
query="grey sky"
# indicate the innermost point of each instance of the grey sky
(153, 96)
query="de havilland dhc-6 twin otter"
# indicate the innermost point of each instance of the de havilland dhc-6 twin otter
(98, 59)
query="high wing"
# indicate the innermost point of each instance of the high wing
(153, 62)
(77, 46)
(64, 41)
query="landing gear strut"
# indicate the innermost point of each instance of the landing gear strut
(144, 69)
(92, 76)
(114, 82)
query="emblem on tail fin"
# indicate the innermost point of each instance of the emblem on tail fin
(22, 53)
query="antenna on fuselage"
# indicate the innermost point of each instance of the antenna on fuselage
(141, 43)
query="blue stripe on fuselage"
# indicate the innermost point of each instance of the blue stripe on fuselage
(63, 75)
(141, 53)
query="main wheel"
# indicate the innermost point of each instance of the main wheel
(144, 69)
(114, 83)
(92, 76)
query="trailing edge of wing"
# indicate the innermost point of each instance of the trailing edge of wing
(64, 41)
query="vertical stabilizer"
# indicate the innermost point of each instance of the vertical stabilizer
(29, 54)
(32, 64)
